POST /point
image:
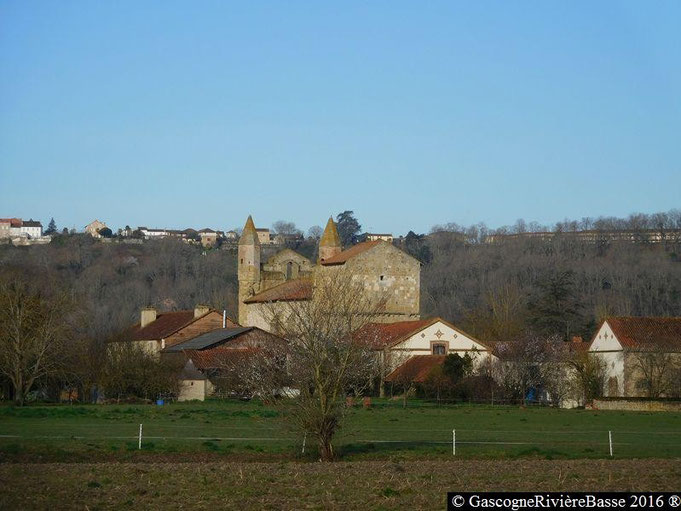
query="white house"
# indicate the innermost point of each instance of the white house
(397, 343)
(620, 343)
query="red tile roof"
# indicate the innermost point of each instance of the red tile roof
(415, 369)
(384, 335)
(220, 358)
(298, 289)
(637, 332)
(351, 252)
(166, 324)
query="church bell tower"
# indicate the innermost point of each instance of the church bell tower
(248, 267)
(330, 243)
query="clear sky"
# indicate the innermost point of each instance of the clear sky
(197, 113)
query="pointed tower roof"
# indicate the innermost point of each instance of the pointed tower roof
(248, 235)
(330, 238)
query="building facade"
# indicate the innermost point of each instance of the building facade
(383, 270)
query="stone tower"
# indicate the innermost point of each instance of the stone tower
(249, 266)
(329, 244)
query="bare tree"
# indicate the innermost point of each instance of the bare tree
(284, 227)
(315, 232)
(323, 361)
(588, 373)
(656, 366)
(33, 332)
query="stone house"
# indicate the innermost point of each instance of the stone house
(94, 227)
(209, 237)
(627, 344)
(156, 331)
(383, 269)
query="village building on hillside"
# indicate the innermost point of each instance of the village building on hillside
(209, 237)
(94, 227)
(287, 276)
(638, 352)
(377, 237)
(156, 331)
(264, 236)
(22, 232)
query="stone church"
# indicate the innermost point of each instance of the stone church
(287, 276)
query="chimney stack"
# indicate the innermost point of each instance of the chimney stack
(148, 316)
(200, 310)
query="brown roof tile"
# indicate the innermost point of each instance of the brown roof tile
(220, 358)
(636, 332)
(383, 335)
(415, 369)
(166, 323)
(298, 289)
(386, 335)
(351, 252)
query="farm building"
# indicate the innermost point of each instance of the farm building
(642, 355)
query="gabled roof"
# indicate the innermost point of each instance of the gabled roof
(387, 335)
(166, 324)
(351, 252)
(415, 369)
(209, 339)
(641, 332)
(297, 289)
(191, 372)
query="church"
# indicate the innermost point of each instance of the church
(383, 269)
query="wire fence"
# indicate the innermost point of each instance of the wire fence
(461, 442)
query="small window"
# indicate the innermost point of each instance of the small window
(439, 349)
(242, 260)
(381, 277)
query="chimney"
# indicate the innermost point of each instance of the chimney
(148, 316)
(200, 310)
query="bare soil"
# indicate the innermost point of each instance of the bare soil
(390, 484)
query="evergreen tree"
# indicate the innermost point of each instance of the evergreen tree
(51, 227)
(348, 228)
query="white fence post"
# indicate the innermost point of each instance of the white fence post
(453, 442)
(139, 444)
(304, 439)
(610, 441)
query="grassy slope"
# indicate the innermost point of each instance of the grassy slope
(57, 433)
(343, 485)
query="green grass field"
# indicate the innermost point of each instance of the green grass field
(224, 430)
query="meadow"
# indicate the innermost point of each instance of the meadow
(250, 431)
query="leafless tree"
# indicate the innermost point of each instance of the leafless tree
(34, 331)
(315, 232)
(323, 361)
(656, 366)
(131, 371)
(588, 374)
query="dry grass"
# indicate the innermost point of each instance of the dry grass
(394, 484)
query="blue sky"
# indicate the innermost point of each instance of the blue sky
(178, 114)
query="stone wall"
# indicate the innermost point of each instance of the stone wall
(638, 405)
(386, 271)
